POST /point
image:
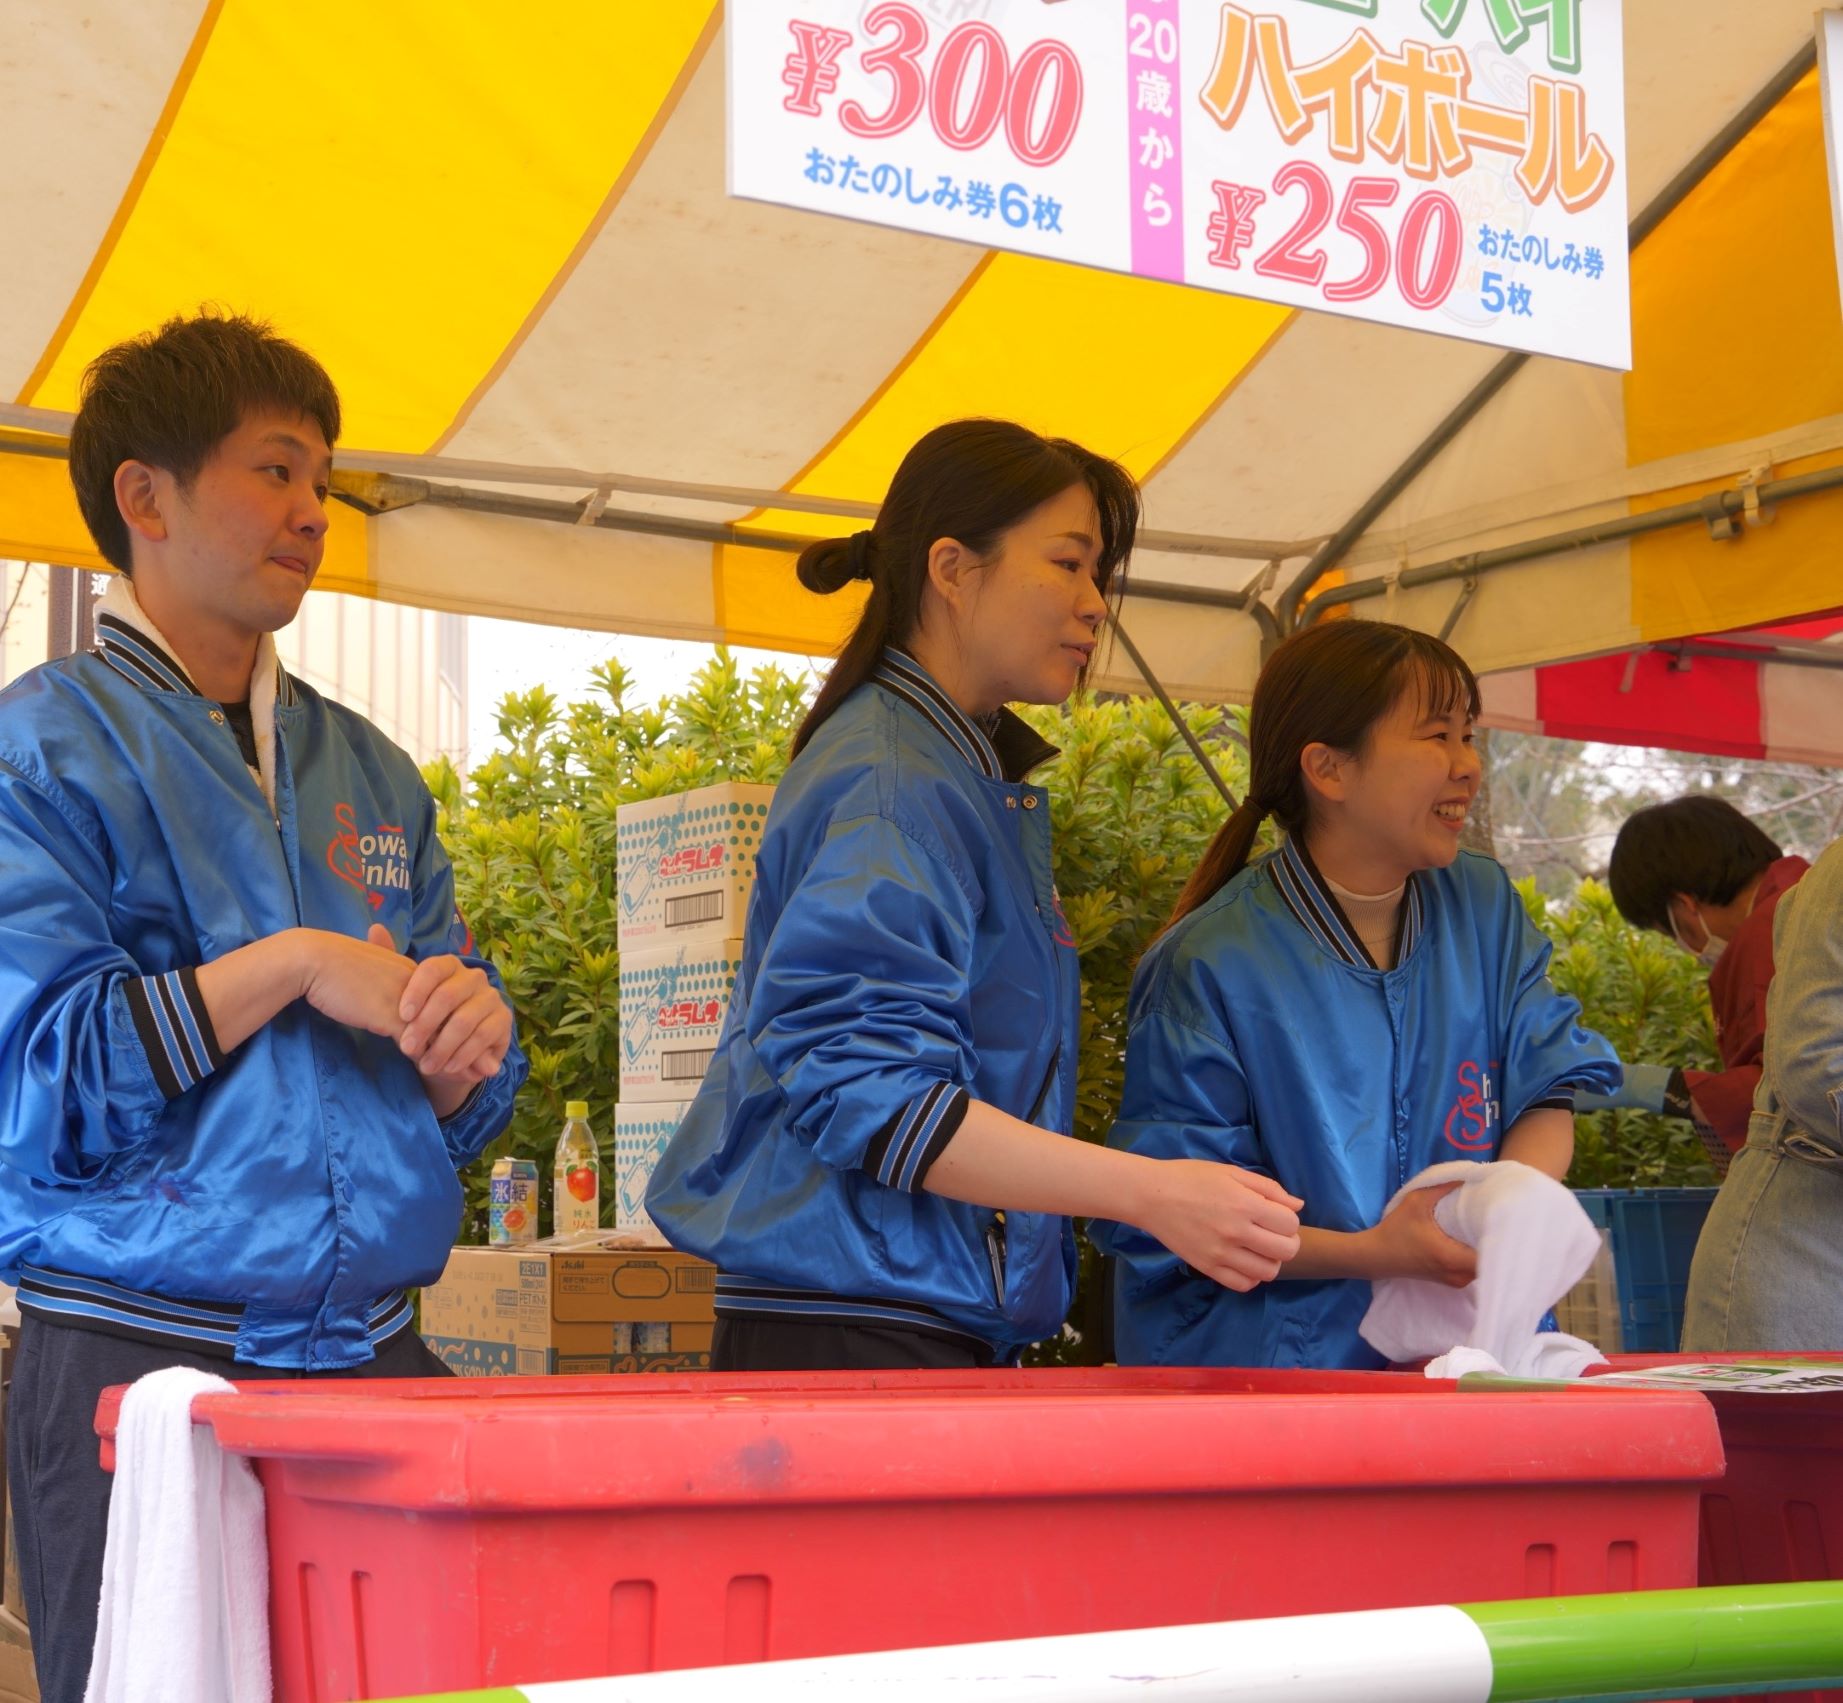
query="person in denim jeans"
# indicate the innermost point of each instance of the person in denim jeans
(1768, 1272)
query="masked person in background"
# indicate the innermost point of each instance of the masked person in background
(1768, 1272)
(1362, 1003)
(879, 1160)
(1697, 870)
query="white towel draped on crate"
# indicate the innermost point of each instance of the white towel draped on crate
(185, 1575)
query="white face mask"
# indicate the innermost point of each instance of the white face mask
(1712, 947)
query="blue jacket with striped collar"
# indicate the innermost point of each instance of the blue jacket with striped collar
(273, 1204)
(1262, 1034)
(904, 952)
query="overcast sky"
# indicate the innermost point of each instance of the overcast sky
(514, 656)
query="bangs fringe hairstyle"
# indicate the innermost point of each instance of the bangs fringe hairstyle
(1330, 684)
(971, 481)
(170, 397)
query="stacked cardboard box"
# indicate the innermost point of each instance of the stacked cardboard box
(550, 1308)
(685, 870)
(641, 1130)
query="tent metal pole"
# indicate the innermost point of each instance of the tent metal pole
(1660, 207)
(1245, 602)
(1771, 655)
(1720, 506)
(418, 478)
(1171, 709)
(372, 493)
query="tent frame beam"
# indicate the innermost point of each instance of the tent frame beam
(1720, 508)
(1294, 600)
(376, 482)
(1778, 656)
(373, 494)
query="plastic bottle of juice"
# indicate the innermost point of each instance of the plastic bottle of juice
(576, 1201)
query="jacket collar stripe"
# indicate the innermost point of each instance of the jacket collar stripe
(904, 676)
(126, 662)
(129, 669)
(1318, 908)
(1286, 898)
(117, 635)
(1318, 911)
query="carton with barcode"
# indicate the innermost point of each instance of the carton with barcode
(641, 1130)
(673, 1006)
(684, 864)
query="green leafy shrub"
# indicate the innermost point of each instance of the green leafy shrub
(533, 843)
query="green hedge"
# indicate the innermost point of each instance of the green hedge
(532, 838)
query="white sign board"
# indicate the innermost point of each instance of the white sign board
(1449, 165)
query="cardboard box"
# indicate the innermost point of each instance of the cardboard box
(673, 1006)
(641, 1130)
(501, 1312)
(684, 865)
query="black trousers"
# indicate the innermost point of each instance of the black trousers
(60, 1492)
(791, 1345)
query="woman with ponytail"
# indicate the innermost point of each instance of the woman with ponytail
(879, 1161)
(1359, 1004)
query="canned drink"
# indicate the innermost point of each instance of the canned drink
(512, 1212)
(652, 1339)
(623, 1338)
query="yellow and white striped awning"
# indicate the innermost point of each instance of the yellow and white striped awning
(505, 231)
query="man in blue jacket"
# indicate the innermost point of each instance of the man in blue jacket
(244, 1041)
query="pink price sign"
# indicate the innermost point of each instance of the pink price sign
(1454, 166)
(1155, 139)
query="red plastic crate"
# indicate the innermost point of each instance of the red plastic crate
(449, 1535)
(1777, 1516)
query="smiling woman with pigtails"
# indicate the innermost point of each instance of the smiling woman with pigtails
(1343, 1013)
(879, 1161)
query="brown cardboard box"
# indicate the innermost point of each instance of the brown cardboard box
(500, 1312)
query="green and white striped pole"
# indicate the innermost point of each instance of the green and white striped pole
(1653, 1644)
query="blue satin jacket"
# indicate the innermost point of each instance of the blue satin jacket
(1262, 1034)
(274, 1204)
(904, 952)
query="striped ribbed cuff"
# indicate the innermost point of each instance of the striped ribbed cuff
(174, 1029)
(902, 1150)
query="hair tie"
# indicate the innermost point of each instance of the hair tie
(858, 557)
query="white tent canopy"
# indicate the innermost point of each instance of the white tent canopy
(581, 381)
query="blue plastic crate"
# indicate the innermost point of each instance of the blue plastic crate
(1654, 1234)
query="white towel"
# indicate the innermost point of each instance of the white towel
(185, 1574)
(1534, 1243)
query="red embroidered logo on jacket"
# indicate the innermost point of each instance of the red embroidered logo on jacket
(1471, 1125)
(374, 862)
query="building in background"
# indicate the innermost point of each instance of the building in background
(406, 669)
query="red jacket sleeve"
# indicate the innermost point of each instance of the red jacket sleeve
(1737, 991)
